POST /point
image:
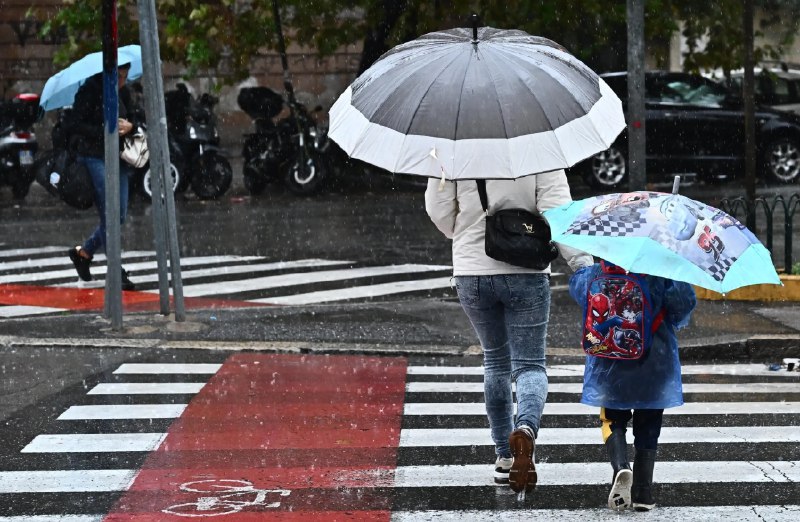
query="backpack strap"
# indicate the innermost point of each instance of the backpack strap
(482, 193)
(657, 320)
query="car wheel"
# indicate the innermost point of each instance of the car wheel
(606, 170)
(782, 160)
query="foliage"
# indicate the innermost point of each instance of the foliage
(224, 35)
(796, 268)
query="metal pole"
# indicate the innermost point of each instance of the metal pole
(287, 82)
(636, 108)
(163, 199)
(749, 110)
(113, 293)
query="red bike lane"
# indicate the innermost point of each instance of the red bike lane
(279, 437)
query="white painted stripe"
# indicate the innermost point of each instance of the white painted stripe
(790, 513)
(94, 442)
(301, 278)
(567, 370)
(98, 269)
(66, 481)
(594, 473)
(64, 260)
(140, 388)
(576, 387)
(571, 408)
(583, 436)
(168, 368)
(53, 518)
(359, 292)
(123, 411)
(233, 269)
(29, 251)
(22, 310)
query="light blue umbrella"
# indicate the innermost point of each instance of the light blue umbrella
(667, 235)
(60, 89)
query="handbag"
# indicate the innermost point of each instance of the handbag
(134, 148)
(517, 236)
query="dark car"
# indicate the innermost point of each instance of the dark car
(694, 124)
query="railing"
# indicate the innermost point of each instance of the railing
(739, 205)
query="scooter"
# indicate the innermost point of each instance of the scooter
(192, 125)
(291, 149)
(18, 143)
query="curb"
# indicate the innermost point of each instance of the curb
(788, 290)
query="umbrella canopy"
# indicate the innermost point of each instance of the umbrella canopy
(667, 235)
(470, 104)
(60, 89)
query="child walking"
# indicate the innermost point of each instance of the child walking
(632, 374)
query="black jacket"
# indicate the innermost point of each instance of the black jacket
(87, 136)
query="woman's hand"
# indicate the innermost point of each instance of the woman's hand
(124, 126)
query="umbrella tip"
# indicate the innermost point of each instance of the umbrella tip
(473, 18)
(675, 184)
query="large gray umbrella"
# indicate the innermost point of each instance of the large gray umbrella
(476, 103)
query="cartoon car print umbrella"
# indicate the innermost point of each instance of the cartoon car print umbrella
(60, 89)
(480, 103)
(666, 235)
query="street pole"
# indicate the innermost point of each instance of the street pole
(636, 108)
(749, 115)
(165, 230)
(113, 293)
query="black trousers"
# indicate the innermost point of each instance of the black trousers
(646, 425)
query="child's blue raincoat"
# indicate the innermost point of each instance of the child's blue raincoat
(653, 382)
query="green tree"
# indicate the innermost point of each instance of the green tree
(224, 35)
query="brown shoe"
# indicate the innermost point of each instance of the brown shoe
(522, 476)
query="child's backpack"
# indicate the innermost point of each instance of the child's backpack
(619, 322)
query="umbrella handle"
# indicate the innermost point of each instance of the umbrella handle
(675, 184)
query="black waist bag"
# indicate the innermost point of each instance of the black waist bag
(517, 236)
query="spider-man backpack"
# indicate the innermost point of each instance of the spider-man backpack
(619, 321)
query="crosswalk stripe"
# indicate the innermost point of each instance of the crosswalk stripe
(140, 388)
(168, 368)
(358, 291)
(66, 481)
(24, 310)
(31, 251)
(567, 408)
(597, 473)
(577, 387)
(782, 513)
(123, 411)
(585, 436)
(569, 370)
(98, 269)
(54, 518)
(301, 278)
(64, 260)
(94, 442)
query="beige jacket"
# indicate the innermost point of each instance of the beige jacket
(455, 209)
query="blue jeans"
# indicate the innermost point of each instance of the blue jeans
(509, 314)
(97, 170)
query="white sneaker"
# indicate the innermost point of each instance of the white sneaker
(501, 468)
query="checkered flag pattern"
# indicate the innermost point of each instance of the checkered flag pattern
(606, 226)
(665, 237)
(717, 269)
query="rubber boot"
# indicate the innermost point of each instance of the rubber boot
(642, 491)
(620, 495)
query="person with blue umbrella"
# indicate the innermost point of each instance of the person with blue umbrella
(85, 125)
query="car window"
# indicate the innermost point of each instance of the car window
(686, 92)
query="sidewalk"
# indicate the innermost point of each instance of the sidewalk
(720, 330)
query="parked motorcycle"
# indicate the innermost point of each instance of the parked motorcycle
(18, 143)
(291, 149)
(191, 125)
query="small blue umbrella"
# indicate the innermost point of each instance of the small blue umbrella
(667, 235)
(60, 89)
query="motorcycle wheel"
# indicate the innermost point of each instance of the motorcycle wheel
(174, 174)
(20, 188)
(212, 176)
(305, 177)
(256, 175)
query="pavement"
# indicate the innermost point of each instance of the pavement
(720, 330)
